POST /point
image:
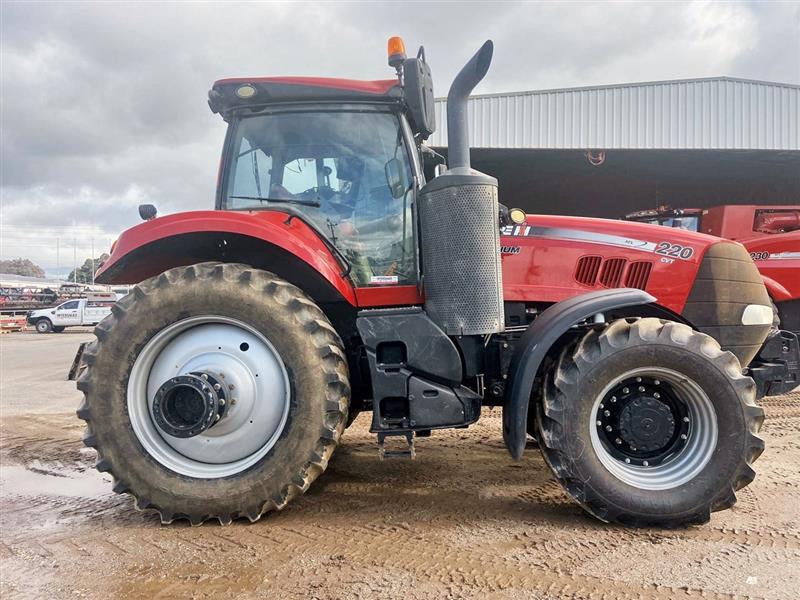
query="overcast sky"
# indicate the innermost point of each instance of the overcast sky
(104, 105)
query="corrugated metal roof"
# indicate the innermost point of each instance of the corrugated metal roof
(714, 113)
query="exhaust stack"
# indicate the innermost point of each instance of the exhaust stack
(459, 225)
(457, 127)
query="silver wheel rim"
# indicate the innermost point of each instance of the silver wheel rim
(256, 380)
(686, 464)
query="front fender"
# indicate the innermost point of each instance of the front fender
(273, 240)
(776, 291)
(535, 343)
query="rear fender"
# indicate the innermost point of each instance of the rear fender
(537, 341)
(276, 241)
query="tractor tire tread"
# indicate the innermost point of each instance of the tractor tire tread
(307, 315)
(579, 357)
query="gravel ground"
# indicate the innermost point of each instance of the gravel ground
(462, 520)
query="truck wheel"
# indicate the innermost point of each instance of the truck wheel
(649, 423)
(44, 326)
(214, 391)
(59, 329)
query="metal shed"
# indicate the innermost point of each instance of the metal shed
(719, 113)
(702, 142)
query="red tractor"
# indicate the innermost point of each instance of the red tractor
(771, 235)
(334, 277)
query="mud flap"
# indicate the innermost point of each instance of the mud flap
(78, 366)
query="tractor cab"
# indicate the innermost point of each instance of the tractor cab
(341, 155)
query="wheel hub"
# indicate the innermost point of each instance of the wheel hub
(187, 405)
(642, 421)
(646, 423)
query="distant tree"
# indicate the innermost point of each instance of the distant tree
(21, 266)
(84, 272)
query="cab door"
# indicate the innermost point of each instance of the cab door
(67, 314)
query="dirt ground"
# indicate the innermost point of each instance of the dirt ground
(462, 520)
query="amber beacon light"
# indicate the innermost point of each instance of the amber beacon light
(397, 51)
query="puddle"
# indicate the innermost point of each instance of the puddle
(19, 481)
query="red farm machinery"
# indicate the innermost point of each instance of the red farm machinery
(347, 268)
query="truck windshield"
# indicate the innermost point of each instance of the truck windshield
(346, 171)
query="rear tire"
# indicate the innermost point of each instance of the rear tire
(151, 465)
(44, 326)
(59, 329)
(701, 427)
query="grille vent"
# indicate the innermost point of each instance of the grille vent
(611, 274)
(587, 269)
(638, 274)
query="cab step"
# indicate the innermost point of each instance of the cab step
(404, 452)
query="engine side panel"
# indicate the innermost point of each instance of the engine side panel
(778, 259)
(552, 258)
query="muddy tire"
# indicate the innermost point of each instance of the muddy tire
(649, 423)
(277, 431)
(44, 326)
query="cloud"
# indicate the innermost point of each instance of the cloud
(103, 104)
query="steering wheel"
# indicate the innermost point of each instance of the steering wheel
(325, 192)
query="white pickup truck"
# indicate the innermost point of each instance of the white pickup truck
(82, 311)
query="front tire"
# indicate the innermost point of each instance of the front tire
(649, 423)
(44, 326)
(283, 394)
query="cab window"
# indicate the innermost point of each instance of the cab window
(71, 305)
(346, 171)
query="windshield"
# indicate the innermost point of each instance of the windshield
(689, 223)
(346, 171)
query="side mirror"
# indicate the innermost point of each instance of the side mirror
(147, 212)
(394, 178)
(418, 90)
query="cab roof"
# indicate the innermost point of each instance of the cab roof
(228, 94)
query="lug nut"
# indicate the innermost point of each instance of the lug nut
(684, 436)
(617, 441)
(656, 395)
(657, 382)
(645, 463)
(217, 387)
(613, 399)
(638, 380)
(685, 419)
(628, 460)
(222, 401)
(601, 406)
(641, 388)
(607, 413)
(599, 423)
(608, 428)
(625, 390)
